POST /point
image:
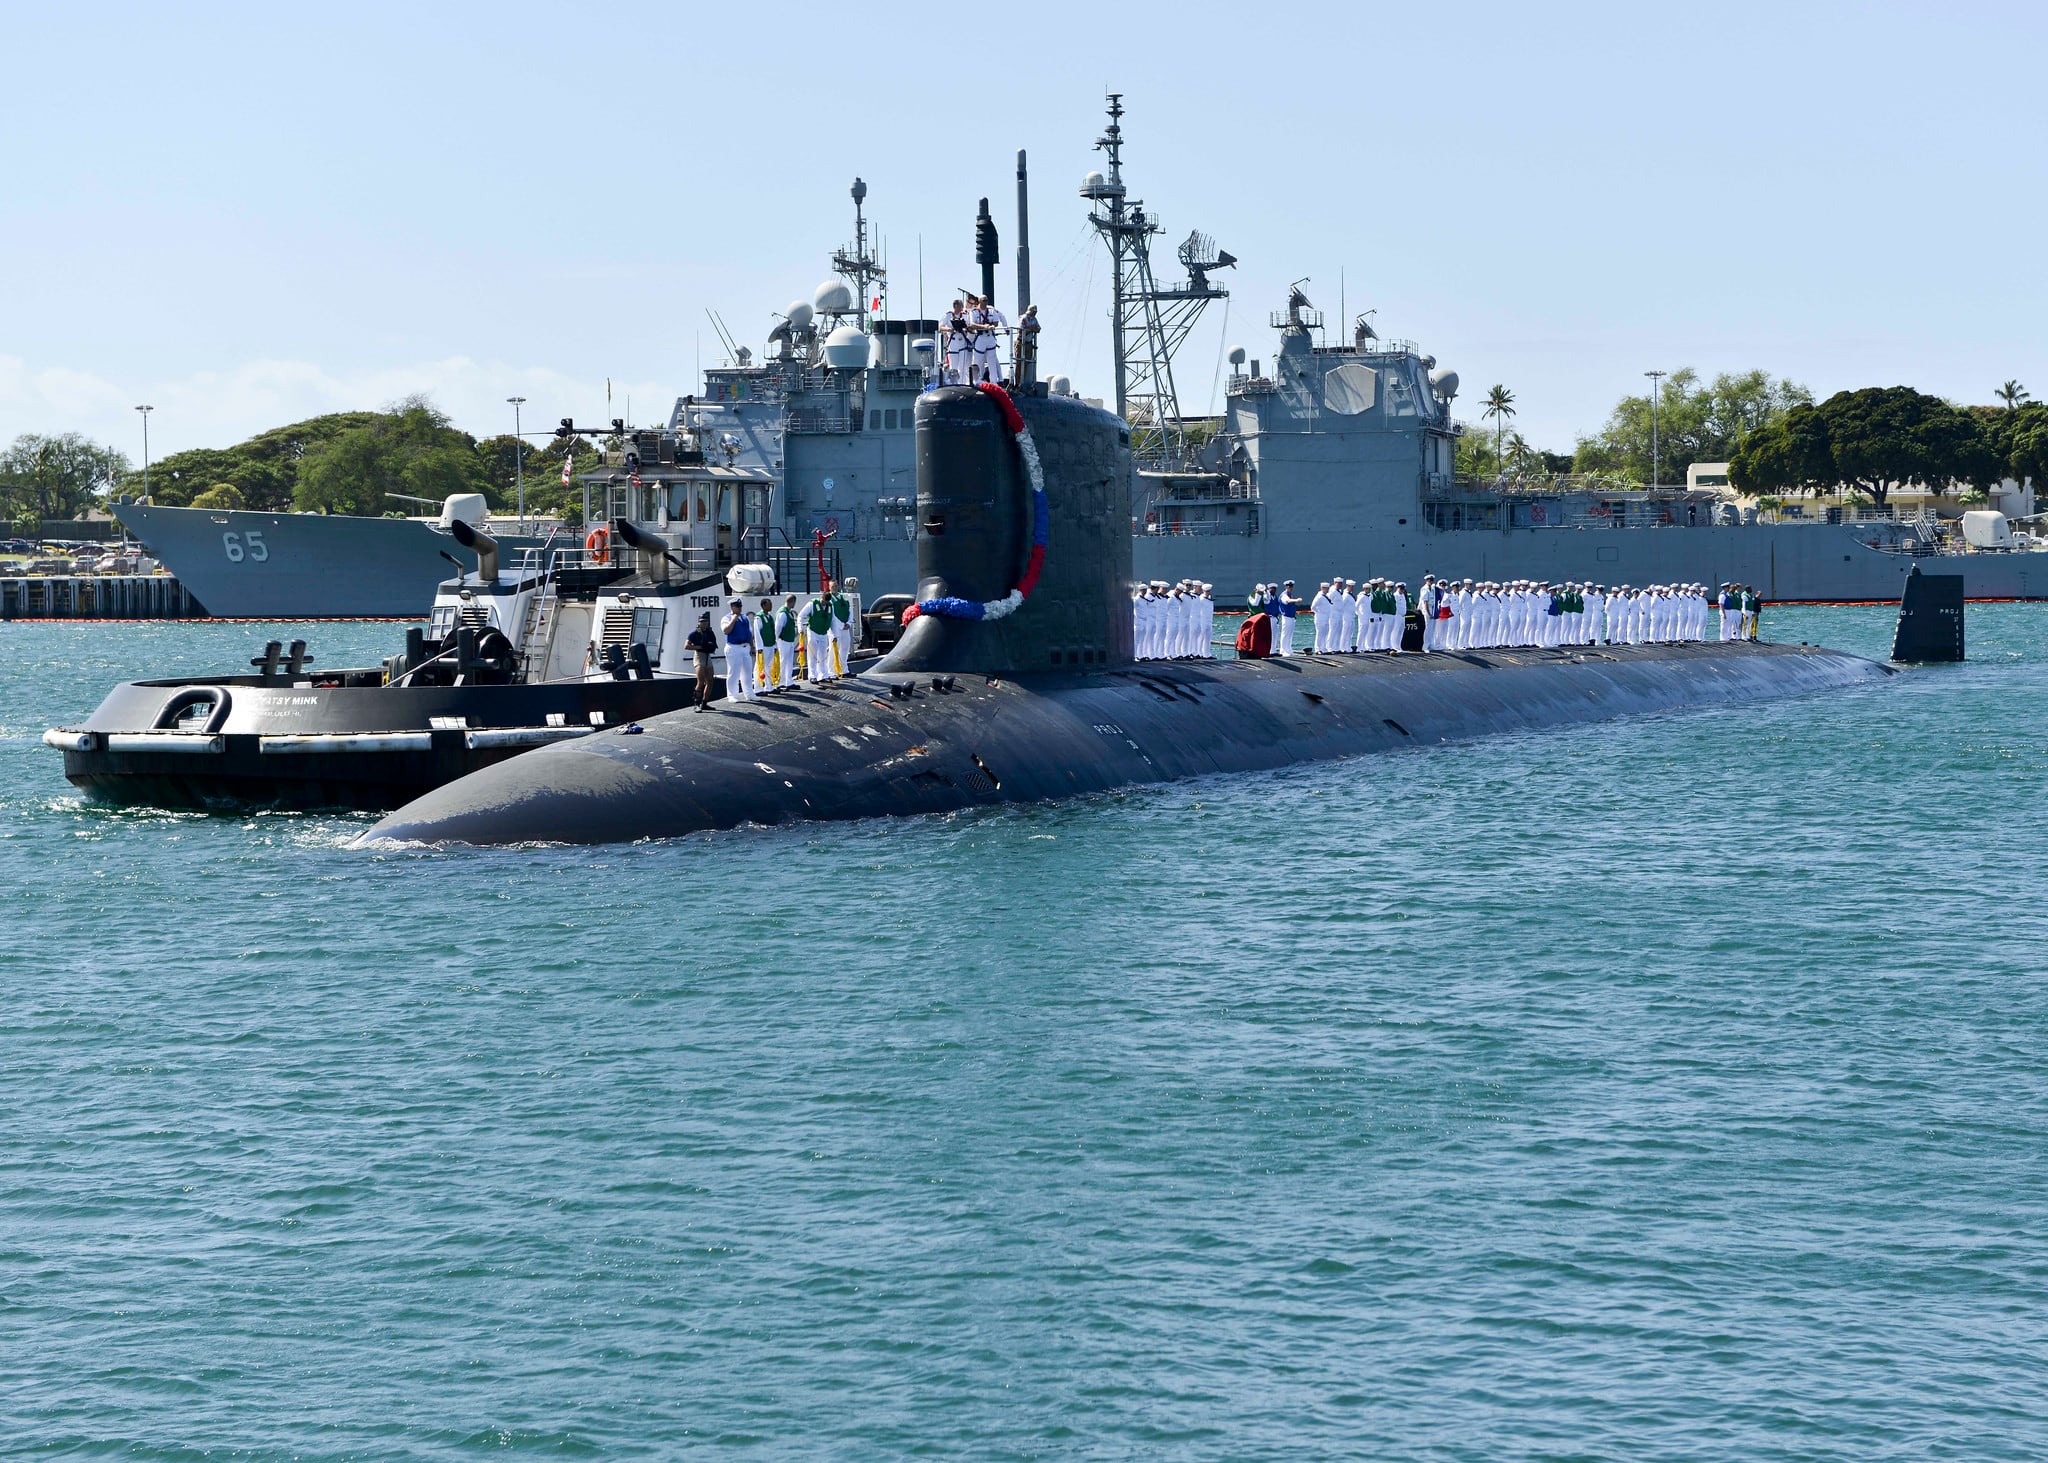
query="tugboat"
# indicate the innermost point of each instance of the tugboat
(569, 642)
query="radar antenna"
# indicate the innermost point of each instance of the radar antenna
(855, 262)
(1147, 323)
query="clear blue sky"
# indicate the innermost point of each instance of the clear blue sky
(250, 214)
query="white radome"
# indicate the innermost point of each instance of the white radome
(847, 348)
(833, 298)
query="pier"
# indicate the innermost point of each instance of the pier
(96, 597)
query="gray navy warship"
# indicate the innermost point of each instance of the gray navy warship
(1332, 458)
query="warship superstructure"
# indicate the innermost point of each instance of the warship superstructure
(1333, 457)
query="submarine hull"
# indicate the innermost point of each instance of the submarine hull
(861, 748)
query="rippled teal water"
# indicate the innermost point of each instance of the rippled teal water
(1663, 1089)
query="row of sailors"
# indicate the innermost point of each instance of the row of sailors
(1480, 615)
(1173, 622)
(1357, 617)
(761, 649)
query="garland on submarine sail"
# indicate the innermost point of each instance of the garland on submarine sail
(1041, 528)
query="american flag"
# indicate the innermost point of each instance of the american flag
(635, 478)
(568, 464)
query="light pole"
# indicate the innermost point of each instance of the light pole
(1656, 379)
(519, 458)
(145, 410)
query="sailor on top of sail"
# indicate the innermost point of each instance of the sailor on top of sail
(959, 345)
(987, 353)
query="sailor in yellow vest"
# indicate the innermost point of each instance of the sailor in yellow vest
(785, 642)
(818, 637)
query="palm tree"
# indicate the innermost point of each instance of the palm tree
(1500, 405)
(2012, 394)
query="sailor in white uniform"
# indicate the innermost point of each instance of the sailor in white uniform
(959, 345)
(988, 344)
(737, 632)
(1324, 609)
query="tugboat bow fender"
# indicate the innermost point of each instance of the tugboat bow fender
(184, 699)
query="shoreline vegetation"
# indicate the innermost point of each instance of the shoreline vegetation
(1775, 437)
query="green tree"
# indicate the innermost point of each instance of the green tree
(2012, 394)
(1695, 422)
(56, 477)
(264, 469)
(497, 461)
(1871, 440)
(2019, 435)
(220, 495)
(407, 453)
(1500, 405)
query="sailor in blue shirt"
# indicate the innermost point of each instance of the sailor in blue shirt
(1283, 627)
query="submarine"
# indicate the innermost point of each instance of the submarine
(1013, 680)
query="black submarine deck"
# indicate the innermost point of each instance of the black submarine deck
(899, 743)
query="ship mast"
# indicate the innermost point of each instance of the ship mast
(1147, 324)
(856, 263)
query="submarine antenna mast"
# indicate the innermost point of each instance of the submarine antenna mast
(1147, 323)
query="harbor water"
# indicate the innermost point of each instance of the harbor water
(1672, 1088)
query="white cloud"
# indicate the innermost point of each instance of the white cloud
(221, 408)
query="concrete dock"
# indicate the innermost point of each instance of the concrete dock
(96, 597)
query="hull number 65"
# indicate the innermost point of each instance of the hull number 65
(256, 552)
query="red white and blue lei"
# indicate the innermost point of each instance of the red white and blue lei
(950, 608)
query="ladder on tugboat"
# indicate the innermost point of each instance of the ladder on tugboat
(533, 637)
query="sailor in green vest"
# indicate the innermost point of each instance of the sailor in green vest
(764, 646)
(842, 623)
(818, 636)
(785, 642)
(1752, 611)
